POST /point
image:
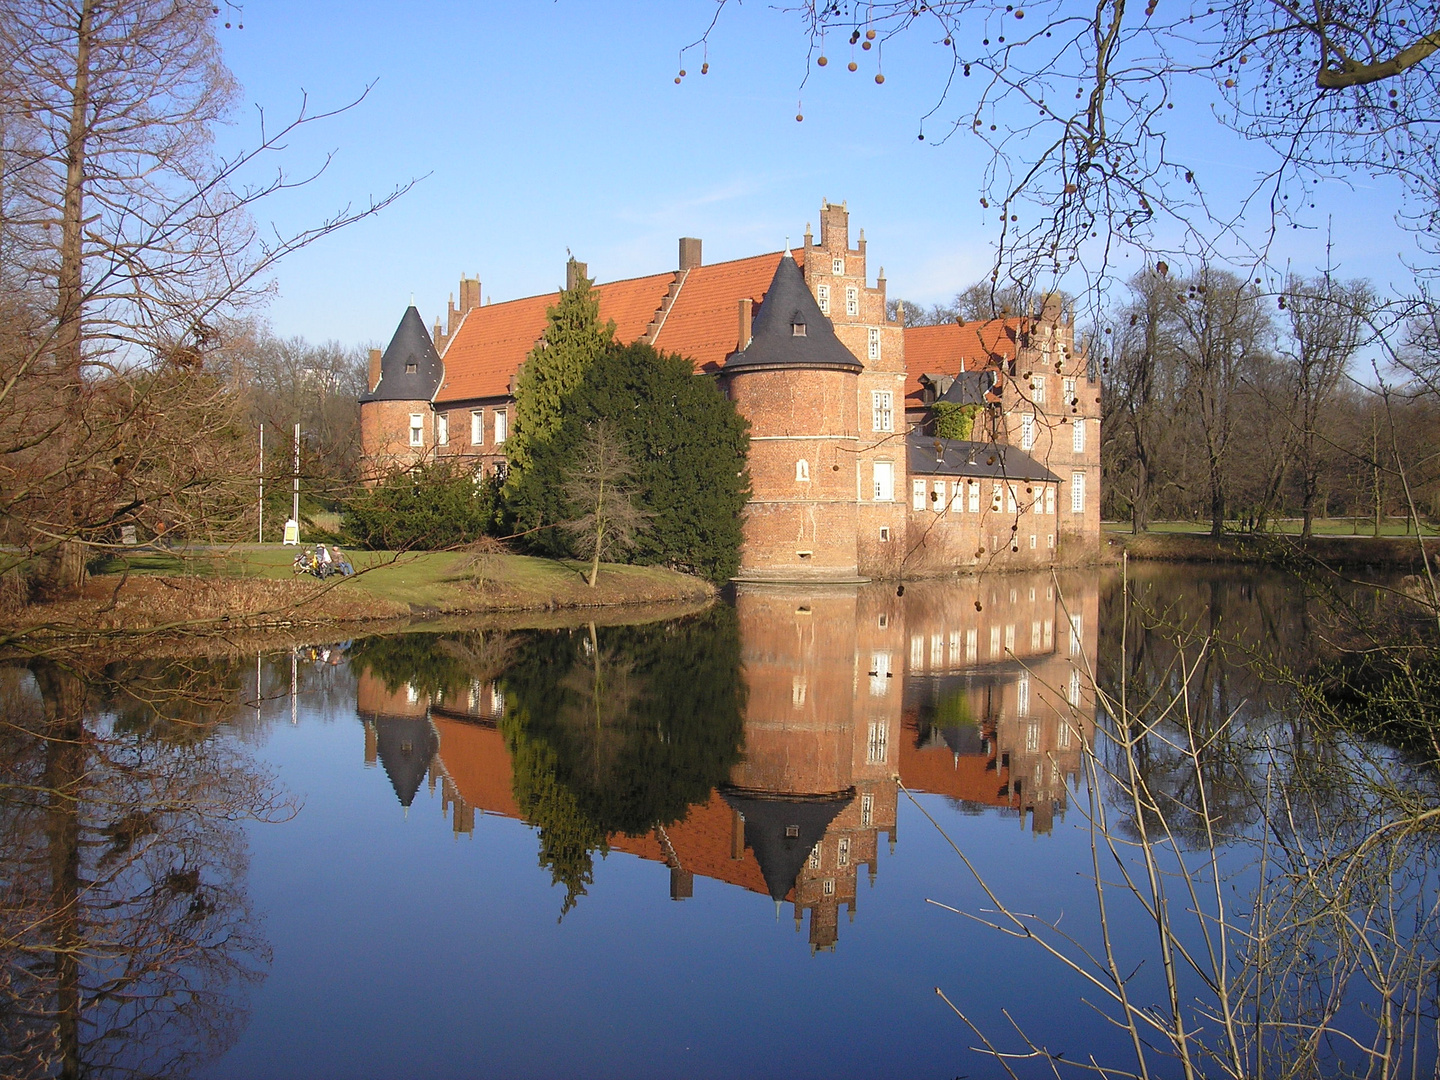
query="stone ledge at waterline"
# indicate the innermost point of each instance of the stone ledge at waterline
(254, 588)
(1398, 552)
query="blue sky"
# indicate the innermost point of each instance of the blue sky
(539, 126)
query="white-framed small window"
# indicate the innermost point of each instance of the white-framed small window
(937, 651)
(852, 301)
(1049, 498)
(954, 644)
(1011, 505)
(797, 329)
(874, 343)
(842, 852)
(957, 497)
(815, 856)
(937, 497)
(827, 887)
(1062, 739)
(501, 426)
(1050, 541)
(994, 643)
(995, 497)
(1022, 698)
(1035, 635)
(1077, 632)
(1037, 389)
(477, 427)
(1077, 435)
(1072, 692)
(417, 429)
(882, 410)
(884, 473)
(822, 297)
(879, 674)
(1010, 637)
(837, 266)
(1032, 542)
(917, 494)
(798, 688)
(1049, 633)
(1077, 492)
(1069, 385)
(917, 652)
(867, 810)
(878, 745)
(442, 429)
(1027, 431)
(802, 471)
(412, 696)
(1032, 731)
(972, 645)
(974, 496)
(884, 539)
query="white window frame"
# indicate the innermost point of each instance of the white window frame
(1027, 431)
(417, 429)
(938, 501)
(883, 474)
(882, 409)
(1077, 434)
(874, 343)
(877, 746)
(1049, 498)
(477, 427)
(1069, 385)
(852, 301)
(1012, 506)
(974, 497)
(502, 426)
(1077, 492)
(957, 497)
(917, 494)
(837, 266)
(442, 429)
(822, 297)
(880, 674)
(1037, 389)
(802, 471)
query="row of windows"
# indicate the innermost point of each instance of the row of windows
(1037, 387)
(442, 428)
(965, 493)
(1027, 433)
(945, 649)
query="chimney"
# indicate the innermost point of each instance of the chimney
(374, 369)
(1050, 308)
(469, 293)
(689, 253)
(746, 308)
(574, 271)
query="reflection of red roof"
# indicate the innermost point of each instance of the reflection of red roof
(702, 324)
(938, 771)
(475, 759)
(702, 844)
(949, 348)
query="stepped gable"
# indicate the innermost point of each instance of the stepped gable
(782, 830)
(930, 455)
(775, 341)
(950, 348)
(701, 323)
(406, 746)
(492, 341)
(411, 369)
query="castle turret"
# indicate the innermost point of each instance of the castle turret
(796, 383)
(397, 423)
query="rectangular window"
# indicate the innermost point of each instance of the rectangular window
(972, 645)
(798, 687)
(1077, 435)
(442, 429)
(882, 409)
(954, 648)
(1049, 499)
(995, 643)
(1069, 393)
(815, 857)
(842, 852)
(878, 745)
(917, 494)
(1063, 736)
(477, 427)
(879, 674)
(1049, 633)
(497, 700)
(822, 297)
(974, 496)
(937, 650)
(417, 429)
(1010, 637)
(1077, 626)
(995, 500)
(884, 481)
(828, 886)
(867, 810)
(1027, 431)
(957, 497)
(1022, 697)
(874, 344)
(1037, 390)
(937, 498)
(1010, 504)
(1072, 694)
(1050, 540)
(1035, 635)
(852, 301)
(1077, 492)
(837, 266)
(500, 426)
(917, 652)
(1032, 541)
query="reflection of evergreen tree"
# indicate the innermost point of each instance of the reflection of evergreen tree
(617, 730)
(434, 665)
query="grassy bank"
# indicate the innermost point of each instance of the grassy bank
(1398, 552)
(254, 588)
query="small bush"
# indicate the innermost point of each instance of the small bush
(432, 506)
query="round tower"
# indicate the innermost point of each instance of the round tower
(796, 384)
(397, 422)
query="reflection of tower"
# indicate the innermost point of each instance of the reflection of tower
(397, 731)
(999, 703)
(816, 783)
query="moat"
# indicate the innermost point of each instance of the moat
(707, 847)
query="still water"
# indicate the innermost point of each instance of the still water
(703, 847)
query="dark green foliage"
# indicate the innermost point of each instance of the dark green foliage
(432, 506)
(688, 446)
(955, 421)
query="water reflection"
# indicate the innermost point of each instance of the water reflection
(762, 746)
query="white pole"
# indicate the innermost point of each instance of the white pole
(261, 537)
(296, 511)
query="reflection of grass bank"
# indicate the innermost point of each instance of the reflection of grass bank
(1272, 550)
(254, 587)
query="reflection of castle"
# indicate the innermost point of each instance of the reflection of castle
(850, 688)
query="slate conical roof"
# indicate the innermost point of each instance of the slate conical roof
(406, 745)
(774, 341)
(782, 830)
(411, 369)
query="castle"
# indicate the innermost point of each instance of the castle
(850, 477)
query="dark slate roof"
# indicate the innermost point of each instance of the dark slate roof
(410, 345)
(969, 388)
(406, 744)
(773, 343)
(930, 455)
(767, 818)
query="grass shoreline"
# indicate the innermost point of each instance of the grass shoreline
(205, 592)
(1266, 549)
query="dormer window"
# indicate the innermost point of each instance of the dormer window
(410, 367)
(797, 329)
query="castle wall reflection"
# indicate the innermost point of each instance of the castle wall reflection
(978, 689)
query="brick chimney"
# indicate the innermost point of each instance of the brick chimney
(574, 271)
(689, 253)
(373, 371)
(746, 310)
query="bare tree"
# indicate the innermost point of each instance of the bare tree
(598, 489)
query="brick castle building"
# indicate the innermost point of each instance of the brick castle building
(850, 479)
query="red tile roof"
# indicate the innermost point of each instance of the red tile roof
(949, 348)
(702, 324)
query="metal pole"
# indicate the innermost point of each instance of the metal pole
(261, 538)
(295, 513)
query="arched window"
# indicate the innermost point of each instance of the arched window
(802, 470)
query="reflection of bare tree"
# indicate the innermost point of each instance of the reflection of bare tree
(125, 929)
